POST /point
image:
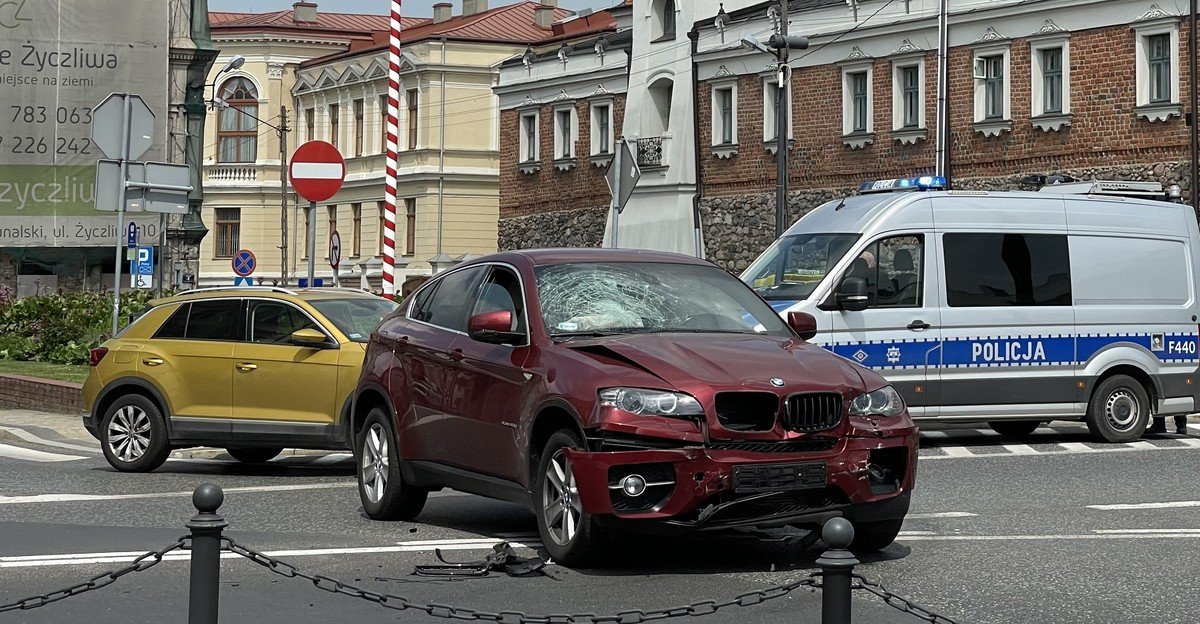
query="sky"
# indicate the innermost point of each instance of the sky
(417, 8)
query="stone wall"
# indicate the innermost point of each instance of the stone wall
(567, 228)
(40, 394)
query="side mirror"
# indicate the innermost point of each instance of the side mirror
(804, 324)
(852, 294)
(494, 328)
(310, 338)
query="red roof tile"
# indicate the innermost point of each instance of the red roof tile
(511, 23)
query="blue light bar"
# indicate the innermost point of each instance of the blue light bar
(923, 183)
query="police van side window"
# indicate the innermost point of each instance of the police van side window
(996, 269)
(894, 269)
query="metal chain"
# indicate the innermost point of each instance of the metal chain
(399, 603)
(141, 564)
(897, 601)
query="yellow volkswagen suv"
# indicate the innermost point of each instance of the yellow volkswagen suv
(253, 370)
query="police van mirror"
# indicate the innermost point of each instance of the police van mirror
(804, 324)
(852, 294)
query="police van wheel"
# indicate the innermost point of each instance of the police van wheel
(1119, 410)
(1014, 428)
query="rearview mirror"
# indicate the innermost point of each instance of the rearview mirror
(310, 338)
(852, 294)
(804, 324)
(494, 328)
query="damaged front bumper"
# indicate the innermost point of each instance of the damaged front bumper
(865, 478)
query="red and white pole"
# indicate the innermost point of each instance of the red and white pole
(393, 148)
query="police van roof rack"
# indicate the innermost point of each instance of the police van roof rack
(1116, 188)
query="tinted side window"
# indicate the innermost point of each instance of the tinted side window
(1007, 269)
(420, 308)
(215, 320)
(176, 325)
(273, 322)
(448, 306)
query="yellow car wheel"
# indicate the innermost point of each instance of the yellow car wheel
(133, 435)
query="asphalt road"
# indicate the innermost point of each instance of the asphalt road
(1060, 529)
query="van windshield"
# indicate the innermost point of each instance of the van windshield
(792, 266)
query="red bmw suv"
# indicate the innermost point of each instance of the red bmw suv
(624, 390)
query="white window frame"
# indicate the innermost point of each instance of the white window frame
(993, 126)
(526, 164)
(566, 162)
(769, 80)
(720, 148)
(857, 139)
(593, 115)
(1157, 111)
(898, 67)
(1043, 120)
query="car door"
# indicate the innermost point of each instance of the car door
(424, 349)
(190, 360)
(280, 388)
(488, 388)
(898, 334)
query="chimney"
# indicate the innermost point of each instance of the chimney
(442, 11)
(550, 3)
(471, 7)
(304, 13)
(543, 14)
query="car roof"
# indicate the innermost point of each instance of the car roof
(541, 257)
(269, 292)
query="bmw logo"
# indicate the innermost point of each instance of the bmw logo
(777, 382)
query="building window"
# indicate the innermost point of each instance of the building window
(564, 133)
(770, 106)
(333, 124)
(1157, 68)
(724, 116)
(310, 123)
(602, 121)
(664, 20)
(1052, 76)
(1158, 57)
(529, 137)
(410, 226)
(356, 220)
(229, 225)
(858, 105)
(858, 102)
(358, 127)
(1050, 62)
(413, 118)
(381, 209)
(993, 86)
(383, 124)
(990, 69)
(237, 132)
(662, 94)
(910, 102)
(332, 224)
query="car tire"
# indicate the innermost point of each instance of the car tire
(874, 536)
(569, 534)
(133, 434)
(381, 487)
(256, 455)
(1119, 410)
(1014, 428)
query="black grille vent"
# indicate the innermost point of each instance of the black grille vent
(747, 411)
(813, 412)
(796, 446)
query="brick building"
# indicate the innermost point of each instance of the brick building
(1092, 88)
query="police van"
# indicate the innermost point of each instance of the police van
(1012, 308)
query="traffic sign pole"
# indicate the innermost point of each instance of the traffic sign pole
(312, 244)
(120, 199)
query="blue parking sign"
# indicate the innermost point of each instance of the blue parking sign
(131, 237)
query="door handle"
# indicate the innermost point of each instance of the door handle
(456, 355)
(918, 325)
(246, 366)
(152, 361)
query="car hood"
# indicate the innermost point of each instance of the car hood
(702, 364)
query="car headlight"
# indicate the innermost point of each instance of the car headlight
(882, 402)
(651, 402)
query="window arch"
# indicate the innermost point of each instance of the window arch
(664, 20)
(237, 130)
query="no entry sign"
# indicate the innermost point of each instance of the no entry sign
(317, 171)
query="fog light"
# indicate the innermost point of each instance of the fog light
(879, 474)
(633, 485)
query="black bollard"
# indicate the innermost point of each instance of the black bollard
(206, 527)
(836, 565)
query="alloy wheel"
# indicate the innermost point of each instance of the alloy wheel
(561, 509)
(1122, 410)
(375, 463)
(129, 433)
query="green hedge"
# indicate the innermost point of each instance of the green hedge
(62, 327)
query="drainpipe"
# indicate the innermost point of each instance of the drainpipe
(442, 152)
(1194, 131)
(694, 35)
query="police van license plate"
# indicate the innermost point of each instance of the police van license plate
(778, 477)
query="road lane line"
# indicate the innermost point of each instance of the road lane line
(940, 514)
(29, 437)
(17, 452)
(1129, 506)
(1192, 442)
(1148, 531)
(1112, 449)
(482, 543)
(934, 434)
(1021, 449)
(1140, 444)
(334, 458)
(1083, 536)
(986, 432)
(70, 498)
(956, 451)
(1076, 447)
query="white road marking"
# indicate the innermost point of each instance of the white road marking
(935, 434)
(986, 432)
(1129, 506)
(1148, 531)
(481, 543)
(940, 514)
(1021, 449)
(17, 452)
(952, 452)
(334, 458)
(1140, 444)
(907, 533)
(29, 437)
(69, 498)
(1192, 442)
(1076, 447)
(1001, 538)
(956, 451)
